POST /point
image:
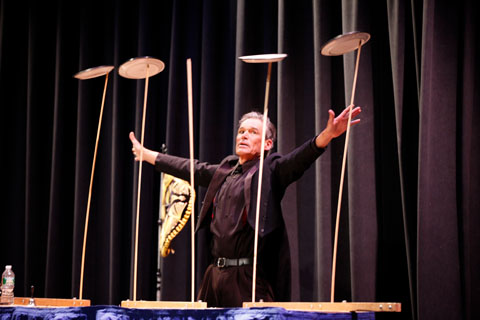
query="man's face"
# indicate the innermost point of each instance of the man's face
(249, 140)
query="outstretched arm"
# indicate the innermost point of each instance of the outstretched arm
(336, 126)
(148, 155)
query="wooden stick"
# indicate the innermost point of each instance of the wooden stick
(192, 170)
(139, 187)
(80, 295)
(260, 174)
(335, 244)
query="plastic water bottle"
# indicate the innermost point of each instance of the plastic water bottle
(8, 284)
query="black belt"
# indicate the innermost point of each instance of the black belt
(225, 262)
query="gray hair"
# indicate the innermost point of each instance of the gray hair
(271, 131)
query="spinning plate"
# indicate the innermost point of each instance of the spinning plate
(136, 68)
(93, 72)
(264, 58)
(345, 43)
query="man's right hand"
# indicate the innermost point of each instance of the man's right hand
(148, 155)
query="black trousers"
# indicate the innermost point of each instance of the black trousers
(231, 286)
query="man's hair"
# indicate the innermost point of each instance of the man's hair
(271, 131)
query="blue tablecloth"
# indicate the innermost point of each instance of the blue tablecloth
(114, 313)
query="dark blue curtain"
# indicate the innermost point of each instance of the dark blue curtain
(409, 207)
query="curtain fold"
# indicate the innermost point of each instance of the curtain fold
(323, 174)
(469, 157)
(438, 239)
(409, 209)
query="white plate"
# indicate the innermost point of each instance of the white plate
(136, 68)
(345, 43)
(264, 58)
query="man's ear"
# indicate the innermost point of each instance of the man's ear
(268, 144)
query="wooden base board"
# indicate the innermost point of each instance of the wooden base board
(163, 304)
(330, 306)
(49, 302)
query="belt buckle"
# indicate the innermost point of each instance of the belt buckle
(221, 262)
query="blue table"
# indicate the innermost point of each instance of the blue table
(114, 313)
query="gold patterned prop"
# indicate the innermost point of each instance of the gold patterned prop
(176, 208)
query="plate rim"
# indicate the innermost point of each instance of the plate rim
(83, 74)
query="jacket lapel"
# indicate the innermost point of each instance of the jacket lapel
(217, 180)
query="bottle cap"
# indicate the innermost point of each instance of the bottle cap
(8, 267)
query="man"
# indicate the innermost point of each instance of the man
(229, 208)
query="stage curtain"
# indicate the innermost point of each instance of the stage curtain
(409, 210)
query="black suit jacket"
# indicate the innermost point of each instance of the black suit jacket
(278, 173)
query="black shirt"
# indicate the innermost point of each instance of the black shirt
(233, 237)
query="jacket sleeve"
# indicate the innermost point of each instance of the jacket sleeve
(290, 167)
(180, 168)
